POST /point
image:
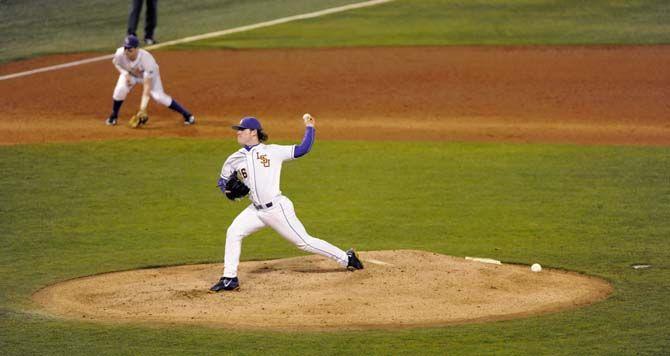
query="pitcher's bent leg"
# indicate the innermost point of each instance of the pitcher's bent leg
(245, 224)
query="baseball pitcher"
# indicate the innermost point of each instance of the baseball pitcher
(136, 65)
(255, 170)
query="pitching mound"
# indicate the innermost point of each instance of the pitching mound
(396, 289)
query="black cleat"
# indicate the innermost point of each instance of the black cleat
(354, 262)
(226, 283)
(111, 121)
(189, 120)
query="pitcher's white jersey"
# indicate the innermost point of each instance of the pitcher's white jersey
(145, 64)
(260, 169)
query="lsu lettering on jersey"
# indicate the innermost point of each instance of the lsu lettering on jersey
(260, 169)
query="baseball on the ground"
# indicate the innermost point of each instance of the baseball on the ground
(536, 267)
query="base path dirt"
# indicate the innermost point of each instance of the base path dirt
(396, 289)
(583, 95)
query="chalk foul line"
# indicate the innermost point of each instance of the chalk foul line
(206, 36)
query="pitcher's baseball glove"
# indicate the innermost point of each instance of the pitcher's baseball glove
(138, 119)
(235, 188)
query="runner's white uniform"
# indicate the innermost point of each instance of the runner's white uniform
(146, 66)
(260, 169)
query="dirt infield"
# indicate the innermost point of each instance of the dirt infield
(583, 95)
(396, 289)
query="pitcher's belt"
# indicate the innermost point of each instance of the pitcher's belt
(263, 206)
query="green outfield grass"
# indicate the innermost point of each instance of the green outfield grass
(70, 210)
(67, 26)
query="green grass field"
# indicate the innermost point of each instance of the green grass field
(80, 209)
(69, 210)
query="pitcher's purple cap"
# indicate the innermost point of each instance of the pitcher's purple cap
(131, 42)
(248, 122)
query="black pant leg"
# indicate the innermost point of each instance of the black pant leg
(152, 18)
(134, 16)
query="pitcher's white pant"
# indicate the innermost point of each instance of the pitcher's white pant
(280, 217)
(123, 88)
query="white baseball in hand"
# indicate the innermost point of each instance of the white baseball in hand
(307, 117)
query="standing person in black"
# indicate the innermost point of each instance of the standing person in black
(149, 23)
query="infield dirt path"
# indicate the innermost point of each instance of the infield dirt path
(584, 95)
